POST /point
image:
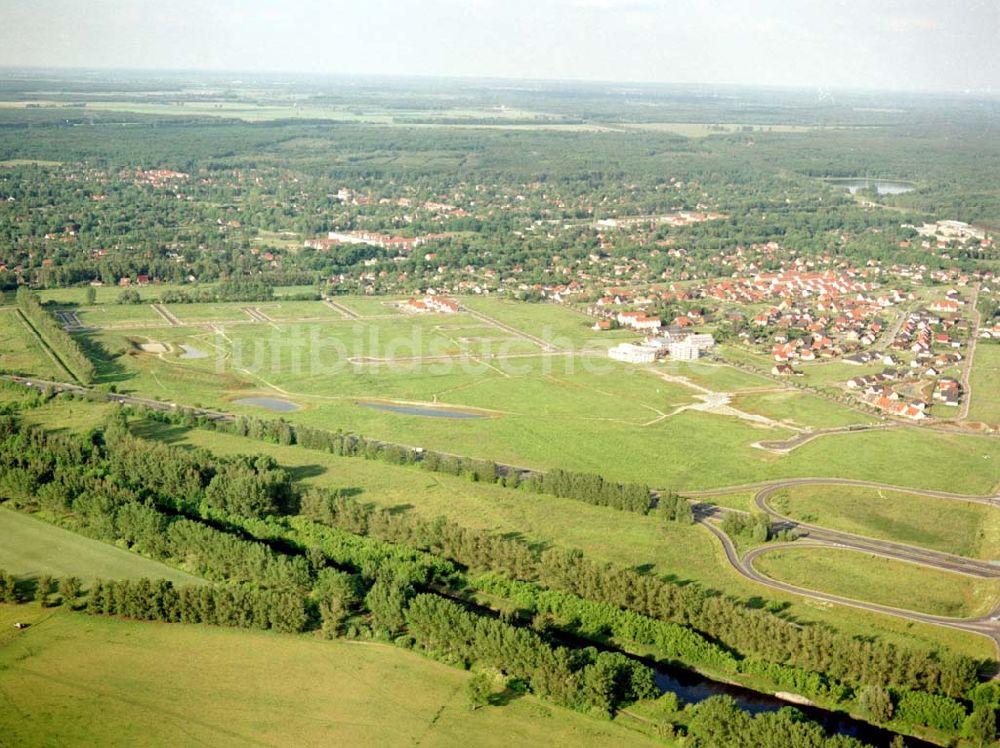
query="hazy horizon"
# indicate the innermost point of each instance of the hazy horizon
(895, 45)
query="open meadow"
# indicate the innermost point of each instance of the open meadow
(74, 680)
(32, 548)
(21, 350)
(537, 374)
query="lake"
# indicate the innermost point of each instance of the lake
(269, 403)
(412, 410)
(883, 186)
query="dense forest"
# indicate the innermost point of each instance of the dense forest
(233, 198)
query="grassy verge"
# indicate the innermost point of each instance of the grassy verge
(863, 576)
(962, 528)
(20, 349)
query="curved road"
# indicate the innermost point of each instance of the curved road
(984, 626)
(819, 537)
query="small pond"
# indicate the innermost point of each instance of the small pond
(269, 403)
(412, 410)
(191, 352)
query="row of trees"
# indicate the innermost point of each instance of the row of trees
(754, 634)
(57, 339)
(228, 605)
(588, 487)
(242, 485)
(582, 679)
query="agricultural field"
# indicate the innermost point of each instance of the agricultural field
(70, 679)
(862, 576)
(962, 528)
(32, 547)
(985, 382)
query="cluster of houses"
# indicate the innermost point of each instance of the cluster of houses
(438, 304)
(923, 333)
(917, 335)
(158, 177)
(681, 218)
(372, 238)
(677, 344)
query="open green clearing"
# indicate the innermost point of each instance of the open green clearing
(716, 377)
(985, 383)
(108, 294)
(371, 306)
(958, 527)
(119, 315)
(578, 412)
(863, 576)
(800, 409)
(70, 679)
(31, 548)
(560, 326)
(704, 129)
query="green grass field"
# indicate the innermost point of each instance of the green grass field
(876, 579)
(73, 680)
(800, 409)
(371, 306)
(985, 383)
(20, 349)
(32, 547)
(963, 528)
(716, 377)
(583, 412)
(561, 326)
(119, 314)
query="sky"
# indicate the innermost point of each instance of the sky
(915, 45)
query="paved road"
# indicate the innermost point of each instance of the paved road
(818, 537)
(984, 626)
(889, 549)
(963, 411)
(787, 445)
